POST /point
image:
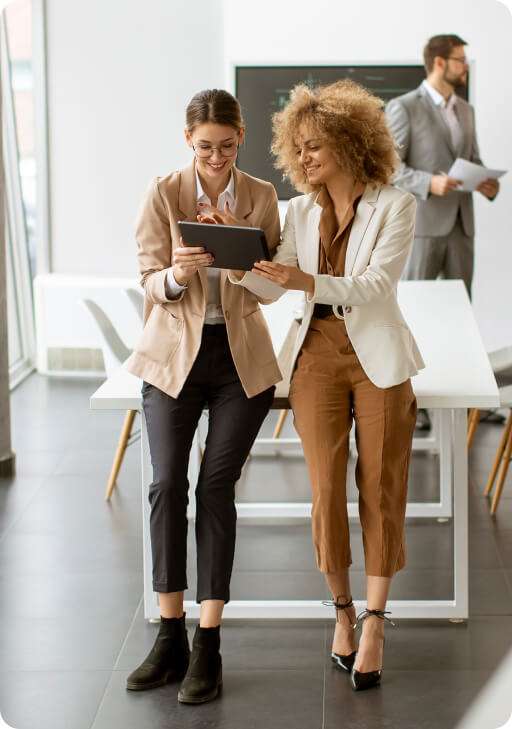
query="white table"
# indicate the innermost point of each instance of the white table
(457, 377)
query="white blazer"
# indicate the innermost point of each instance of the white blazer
(379, 243)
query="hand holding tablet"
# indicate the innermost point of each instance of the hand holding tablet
(232, 246)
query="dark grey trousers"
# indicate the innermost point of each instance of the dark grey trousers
(448, 256)
(234, 422)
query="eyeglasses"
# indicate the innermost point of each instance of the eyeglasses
(464, 60)
(228, 149)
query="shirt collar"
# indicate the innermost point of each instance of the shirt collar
(228, 192)
(325, 201)
(438, 98)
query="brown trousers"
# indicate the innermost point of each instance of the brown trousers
(329, 388)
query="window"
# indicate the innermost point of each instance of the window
(21, 175)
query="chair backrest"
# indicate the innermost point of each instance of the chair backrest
(137, 300)
(114, 349)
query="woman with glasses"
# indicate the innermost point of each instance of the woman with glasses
(205, 344)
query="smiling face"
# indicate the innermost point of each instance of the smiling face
(215, 147)
(316, 158)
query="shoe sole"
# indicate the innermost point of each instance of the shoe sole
(362, 687)
(203, 700)
(340, 665)
(169, 678)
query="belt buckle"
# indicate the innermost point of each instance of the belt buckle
(336, 312)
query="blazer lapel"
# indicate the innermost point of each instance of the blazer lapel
(187, 193)
(244, 204)
(364, 213)
(438, 119)
(311, 253)
(187, 207)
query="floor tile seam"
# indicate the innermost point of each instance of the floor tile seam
(508, 580)
(132, 623)
(500, 561)
(29, 502)
(102, 700)
(108, 682)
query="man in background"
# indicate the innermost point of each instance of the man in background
(432, 127)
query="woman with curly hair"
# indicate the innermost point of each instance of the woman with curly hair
(345, 243)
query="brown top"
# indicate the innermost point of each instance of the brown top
(334, 238)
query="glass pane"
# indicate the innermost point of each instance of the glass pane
(18, 16)
(15, 343)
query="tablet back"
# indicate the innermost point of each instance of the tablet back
(232, 246)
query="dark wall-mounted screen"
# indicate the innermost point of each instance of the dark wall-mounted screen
(263, 90)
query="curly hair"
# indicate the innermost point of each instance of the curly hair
(348, 119)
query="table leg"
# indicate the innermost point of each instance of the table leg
(460, 514)
(445, 463)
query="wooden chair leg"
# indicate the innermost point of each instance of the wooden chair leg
(505, 463)
(499, 455)
(473, 420)
(121, 447)
(280, 422)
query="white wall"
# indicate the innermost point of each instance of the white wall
(296, 31)
(120, 73)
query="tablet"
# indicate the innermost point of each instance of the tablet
(232, 246)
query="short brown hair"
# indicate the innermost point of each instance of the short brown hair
(440, 45)
(352, 123)
(214, 105)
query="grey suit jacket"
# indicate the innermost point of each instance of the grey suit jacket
(425, 148)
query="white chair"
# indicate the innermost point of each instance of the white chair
(501, 363)
(115, 352)
(136, 299)
(503, 453)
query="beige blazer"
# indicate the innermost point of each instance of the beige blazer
(170, 341)
(378, 246)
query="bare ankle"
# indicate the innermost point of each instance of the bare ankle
(373, 626)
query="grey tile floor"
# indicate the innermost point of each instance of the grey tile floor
(71, 620)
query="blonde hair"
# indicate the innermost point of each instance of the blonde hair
(349, 119)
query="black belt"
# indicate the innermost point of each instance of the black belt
(322, 311)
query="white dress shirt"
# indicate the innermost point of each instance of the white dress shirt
(214, 313)
(449, 111)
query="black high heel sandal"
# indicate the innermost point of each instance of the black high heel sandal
(344, 662)
(362, 680)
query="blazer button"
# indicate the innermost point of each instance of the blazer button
(347, 309)
(226, 315)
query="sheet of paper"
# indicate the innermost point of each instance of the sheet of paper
(471, 174)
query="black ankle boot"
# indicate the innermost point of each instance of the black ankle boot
(167, 661)
(204, 676)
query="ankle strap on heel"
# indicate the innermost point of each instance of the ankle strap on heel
(377, 613)
(338, 605)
